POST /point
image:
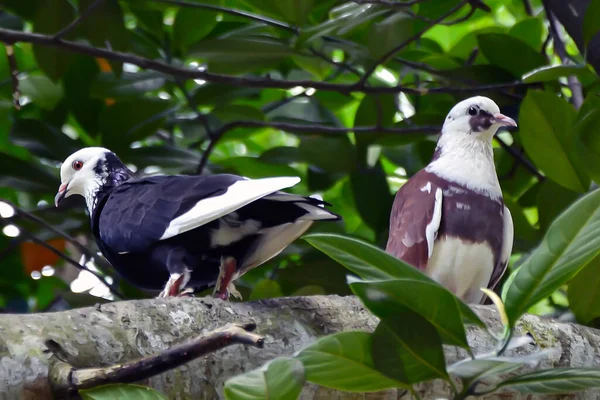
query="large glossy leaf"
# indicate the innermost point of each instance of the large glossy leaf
(493, 366)
(282, 378)
(546, 123)
(26, 176)
(406, 347)
(553, 72)
(121, 391)
(372, 196)
(561, 199)
(554, 381)
(320, 151)
(522, 58)
(430, 300)
(591, 21)
(50, 17)
(41, 91)
(371, 263)
(570, 243)
(584, 293)
(129, 85)
(191, 25)
(529, 30)
(43, 140)
(389, 33)
(586, 142)
(343, 361)
(128, 121)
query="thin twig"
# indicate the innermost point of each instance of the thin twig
(14, 75)
(82, 16)
(55, 251)
(311, 129)
(231, 11)
(390, 53)
(521, 159)
(8, 35)
(66, 380)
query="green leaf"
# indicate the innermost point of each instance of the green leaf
(121, 391)
(571, 242)
(546, 123)
(26, 176)
(42, 139)
(561, 199)
(50, 17)
(282, 378)
(584, 293)
(389, 33)
(586, 141)
(295, 11)
(254, 168)
(266, 289)
(553, 72)
(128, 86)
(591, 21)
(372, 197)
(127, 121)
(343, 361)
(428, 299)
(164, 156)
(107, 14)
(371, 263)
(406, 347)
(237, 55)
(530, 30)
(77, 82)
(509, 53)
(319, 151)
(555, 381)
(41, 90)
(191, 25)
(488, 366)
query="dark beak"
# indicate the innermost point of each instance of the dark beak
(62, 191)
(503, 120)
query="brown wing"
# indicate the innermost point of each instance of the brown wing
(413, 209)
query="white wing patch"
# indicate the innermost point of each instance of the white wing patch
(507, 240)
(432, 227)
(237, 196)
(426, 188)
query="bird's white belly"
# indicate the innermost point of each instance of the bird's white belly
(462, 267)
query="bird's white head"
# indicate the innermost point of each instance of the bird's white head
(82, 172)
(478, 117)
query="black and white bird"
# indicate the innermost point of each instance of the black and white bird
(185, 233)
(449, 219)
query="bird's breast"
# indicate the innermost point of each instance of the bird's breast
(461, 266)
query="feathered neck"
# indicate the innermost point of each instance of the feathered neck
(110, 173)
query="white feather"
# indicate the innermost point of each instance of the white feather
(507, 241)
(238, 195)
(434, 225)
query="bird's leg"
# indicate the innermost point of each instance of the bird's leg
(224, 285)
(176, 284)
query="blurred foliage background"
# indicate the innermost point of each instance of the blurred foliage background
(347, 95)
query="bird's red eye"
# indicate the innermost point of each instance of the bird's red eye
(77, 165)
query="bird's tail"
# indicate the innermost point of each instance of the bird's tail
(314, 206)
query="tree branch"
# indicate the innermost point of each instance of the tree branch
(390, 53)
(82, 16)
(309, 128)
(561, 51)
(66, 380)
(14, 75)
(12, 36)
(520, 159)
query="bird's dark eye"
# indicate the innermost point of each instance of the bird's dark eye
(473, 110)
(77, 165)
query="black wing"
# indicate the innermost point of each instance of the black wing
(136, 214)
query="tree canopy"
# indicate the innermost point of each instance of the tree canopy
(349, 96)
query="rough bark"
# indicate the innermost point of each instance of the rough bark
(122, 331)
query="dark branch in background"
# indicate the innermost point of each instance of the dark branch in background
(82, 16)
(309, 128)
(521, 159)
(65, 380)
(30, 236)
(561, 52)
(14, 75)
(12, 36)
(528, 9)
(390, 53)
(390, 3)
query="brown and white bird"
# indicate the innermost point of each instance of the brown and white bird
(449, 219)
